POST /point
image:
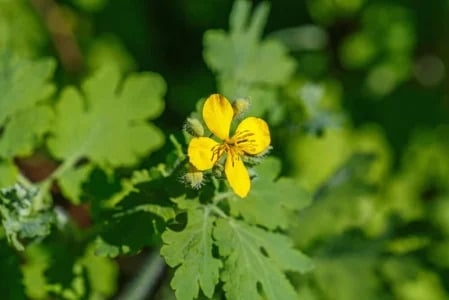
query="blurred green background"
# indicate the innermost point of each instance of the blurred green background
(363, 120)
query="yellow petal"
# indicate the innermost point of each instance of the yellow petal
(201, 153)
(217, 114)
(252, 136)
(237, 175)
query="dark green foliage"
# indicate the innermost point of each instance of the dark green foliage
(11, 283)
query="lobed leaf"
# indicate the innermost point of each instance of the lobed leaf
(106, 123)
(137, 218)
(22, 121)
(24, 131)
(256, 261)
(191, 251)
(14, 73)
(246, 65)
(127, 233)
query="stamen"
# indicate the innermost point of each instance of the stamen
(234, 156)
(217, 151)
(244, 141)
(241, 141)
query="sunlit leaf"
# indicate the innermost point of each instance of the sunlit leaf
(24, 131)
(257, 257)
(71, 182)
(14, 73)
(190, 250)
(8, 173)
(104, 285)
(107, 122)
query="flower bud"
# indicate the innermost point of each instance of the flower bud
(194, 178)
(194, 127)
(240, 106)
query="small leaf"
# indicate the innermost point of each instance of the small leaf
(191, 251)
(255, 256)
(71, 182)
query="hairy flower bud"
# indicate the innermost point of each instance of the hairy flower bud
(194, 178)
(240, 106)
(194, 127)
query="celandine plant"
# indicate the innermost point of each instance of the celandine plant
(238, 221)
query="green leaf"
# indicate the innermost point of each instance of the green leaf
(100, 188)
(24, 131)
(246, 65)
(257, 257)
(106, 123)
(23, 122)
(128, 233)
(8, 173)
(138, 212)
(23, 83)
(36, 259)
(191, 251)
(63, 250)
(109, 49)
(71, 182)
(22, 31)
(103, 286)
(263, 206)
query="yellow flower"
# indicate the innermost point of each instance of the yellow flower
(252, 137)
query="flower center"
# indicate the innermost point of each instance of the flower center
(219, 150)
(242, 141)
